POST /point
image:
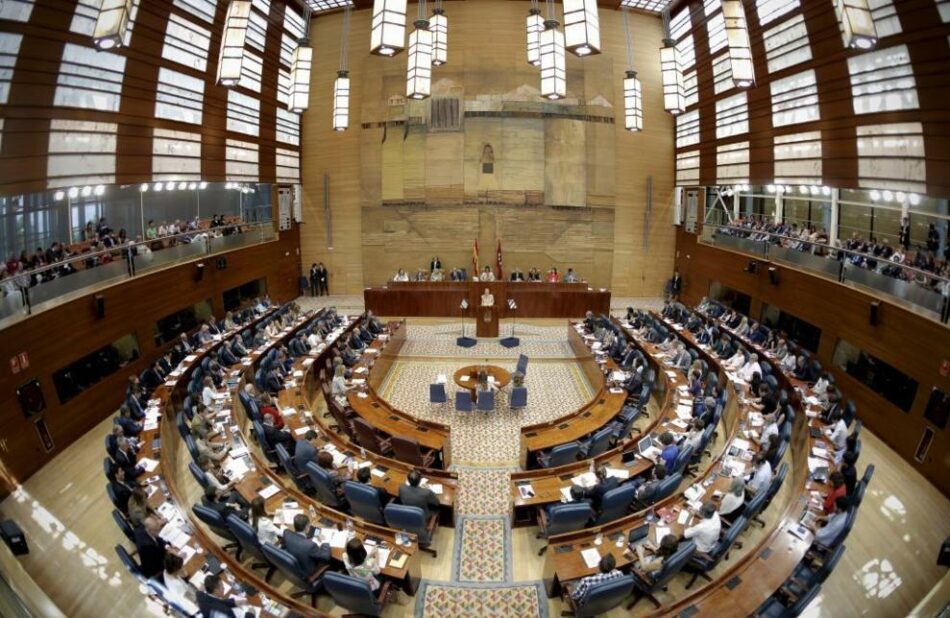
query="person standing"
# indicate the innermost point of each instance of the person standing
(904, 237)
(323, 280)
(435, 264)
(313, 279)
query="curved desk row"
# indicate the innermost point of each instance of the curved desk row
(597, 413)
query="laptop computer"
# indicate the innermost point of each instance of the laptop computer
(644, 445)
(639, 533)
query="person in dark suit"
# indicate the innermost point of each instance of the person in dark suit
(125, 459)
(435, 264)
(309, 555)
(413, 495)
(355, 342)
(373, 324)
(646, 493)
(850, 472)
(604, 484)
(276, 436)
(211, 601)
(273, 383)
(165, 362)
(323, 280)
(226, 356)
(676, 285)
(112, 443)
(151, 547)
(365, 335)
(151, 378)
(130, 427)
(224, 504)
(121, 488)
(314, 286)
(305, 450)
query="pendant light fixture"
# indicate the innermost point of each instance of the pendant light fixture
(299, 99)
(674, 98)
(632, 95)
(439, 26)
(740, 49)
(553, 63)
(534, 25)
(231, 59)
(581, 27)
(388, 33)
(857, 25)
(112, 25)
(419, 66)
(341, 85)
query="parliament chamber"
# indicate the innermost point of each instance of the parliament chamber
(484, 308)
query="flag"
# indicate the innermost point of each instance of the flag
(475, 260)
(499, 274)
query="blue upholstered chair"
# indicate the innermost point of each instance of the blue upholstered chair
(123, 525)
(485, 401)
(683, 458)
(620, 427)
(522, 366)
(862, 486)
(616, 503)
(519, 398)
(321, 483)
(266, 447)
(365, 501)
(412, 519)
(182, 424)
(668, 486)
(213, 520)
(287, 463)
(647, 584)
(809, 574)
(560, 518)
(407, 449)
(128, 561)
(701, 564)
(603, 597)
(463, 400)
(560, 455)
(198, 474)
(112, 497)
(247, 538)
(355, 594)
(192, 449)
(775, 608)
(598, 443)
(437, 394)
(289, 567)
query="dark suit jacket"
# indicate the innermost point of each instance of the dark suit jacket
(596, 493)
(273, 383)
(276, 436)
(151, 552)
(135, 407)
(304, 452)
(122, 494)
(210, 605)
(422, 497)
(126, 462)
(365, 335)
(227, 357)
(308, 554)
(130, 427)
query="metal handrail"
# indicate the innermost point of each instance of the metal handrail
(834, 251)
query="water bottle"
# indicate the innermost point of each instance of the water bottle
(313, 514)
(591, 467)
(349, 529)
(362, 453)
(620, 540)
(599, 539)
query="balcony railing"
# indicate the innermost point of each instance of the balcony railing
(37, 289)
(925, 291)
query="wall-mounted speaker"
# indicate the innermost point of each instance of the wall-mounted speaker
(199, 271)
(30, 397)
(872, 316)
(773, 275)
(100, 306)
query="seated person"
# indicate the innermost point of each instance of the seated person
(421, 275)
(732, 503)
(151, 547)
(517, 275)
(276, 436)
(297, 542)
(571, 277)
(553, 276)
(401, 275)
(646, 492)
(578, 494)
(361, 563)
(211, 600)
(338, 385)
(838, 489)
(129, 426)
(437, 275)
(604, 484)
(414, 495)
(263, 524)
(487, 274)
(833, 524)
(223, 505)
(670, 449)
(325, 461)
(647, 563)
(705, 533)
(488, 300)
(607, 571)
(761, 476)
(306, 450)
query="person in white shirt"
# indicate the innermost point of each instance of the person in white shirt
(735, 362)
(789, 363)
(177, 589)
(751, 367)
(743, 329)
(208, 393)
(838, 434)
(314, 339)
(488, 300)
(770, 429)
(338, 386)
(695, 437)
(835, 523)
(733, 501)
(267, 532)
(401, 275)
(487, 275)
(705, 533)
(762, 475)
(821, 387)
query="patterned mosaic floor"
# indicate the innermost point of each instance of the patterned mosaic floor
(437, 600)
(482, 550)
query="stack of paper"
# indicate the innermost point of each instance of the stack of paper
(585, 480)
(683, 518)
(620, 473)
(268, 491)
(591, 557)
(148, 464)
(175, 535)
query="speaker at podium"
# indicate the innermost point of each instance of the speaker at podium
(486, 322)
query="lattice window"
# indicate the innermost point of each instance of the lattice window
(90, 79)
(186, 43)
(732, 163)
(687, 168)
(176, 155)
(241, 161)
(798, 158)
(687, 129)
(732, 115)
(795, 99)
(891, 156)
(179, 97)
(787, 44)
(81, 152)
(882, 81)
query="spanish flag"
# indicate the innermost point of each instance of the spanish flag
(500, 274)
(475, 260)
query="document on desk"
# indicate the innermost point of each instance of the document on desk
(742, 445)
(526, 491)
(694, 492)
(235, 468)
(464, 378)
(268, 491)
(565, 494)
(619, 473)
(591, 557)
(307, 362)
(382, 556)
(671, 374)
(175, 535)
(436, 488)
(684, 412)
(660, 532)
(360, 370)
(148, 464)
(585, 480)
(683, 518)
(190, 358)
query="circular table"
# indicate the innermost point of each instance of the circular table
(502, 376)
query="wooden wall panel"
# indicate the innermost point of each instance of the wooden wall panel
(610, 237)
(61, 335)
(914, 344)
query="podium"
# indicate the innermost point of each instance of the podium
(486, 320)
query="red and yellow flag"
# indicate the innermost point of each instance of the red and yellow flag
(475, 260)
(498, 275)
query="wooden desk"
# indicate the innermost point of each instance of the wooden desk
(443, 299)
(501, 376)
